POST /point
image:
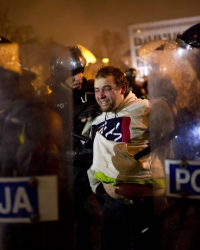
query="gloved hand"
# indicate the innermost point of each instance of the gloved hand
(83, 155)
(90, 112)
(88, 144)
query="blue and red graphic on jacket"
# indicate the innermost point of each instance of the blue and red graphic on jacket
(116, 129)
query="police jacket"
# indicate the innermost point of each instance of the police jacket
(73, 105)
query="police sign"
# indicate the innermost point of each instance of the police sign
(182, 179)
(27, 199)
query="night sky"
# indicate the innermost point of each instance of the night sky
(79, 21)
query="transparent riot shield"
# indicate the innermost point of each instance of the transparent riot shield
(174, 90)
(35, 174)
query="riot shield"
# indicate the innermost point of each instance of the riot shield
(35, 175)
(174, 89)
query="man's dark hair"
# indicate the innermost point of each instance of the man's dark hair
(117, 74)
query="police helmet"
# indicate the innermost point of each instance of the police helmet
(190, 38)
(131, 73)
(68, 63)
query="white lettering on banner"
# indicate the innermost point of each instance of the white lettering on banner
(109, 132)
(7, 208)
(21, 200)
(120, 135)
(193, 180)
(115, 134)
(180, 180)
(104, 127)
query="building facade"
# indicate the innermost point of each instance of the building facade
(142, 33)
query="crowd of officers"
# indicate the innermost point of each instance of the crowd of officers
(88, 133)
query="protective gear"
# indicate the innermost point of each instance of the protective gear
(31, 144)
(132, 85)
(90, 112)
(190, 38)
(82, 100)
(82, 153)
(70, 62)
(177, 64)
(131, 73)
(89, 56)
(85, 153)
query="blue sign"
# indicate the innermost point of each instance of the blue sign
(21, 201)
(182, 180)
(18, 200)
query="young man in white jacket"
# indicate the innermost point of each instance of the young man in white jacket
(127, 180)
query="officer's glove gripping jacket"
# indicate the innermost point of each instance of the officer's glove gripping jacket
(90, 112)
(83, 155)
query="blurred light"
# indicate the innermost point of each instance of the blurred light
(9, 58)
(126, 62)
(144, 230)
(180, 51)
(138, 31)
(105, 60)
(90, 58)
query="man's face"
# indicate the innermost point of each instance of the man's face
(75, 82)
(108, 95)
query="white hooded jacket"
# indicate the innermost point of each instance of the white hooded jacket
(122, 134)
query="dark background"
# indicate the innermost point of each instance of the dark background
(80, 21)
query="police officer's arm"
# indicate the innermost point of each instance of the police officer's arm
(85, 153)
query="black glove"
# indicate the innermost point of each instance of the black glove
(88, 144)
(80, 156)
(91, 111)
(83, 155)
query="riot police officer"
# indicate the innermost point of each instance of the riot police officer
(32, 157)
(67, 79)
(133, 86)
(190, 38)
(178, 60)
